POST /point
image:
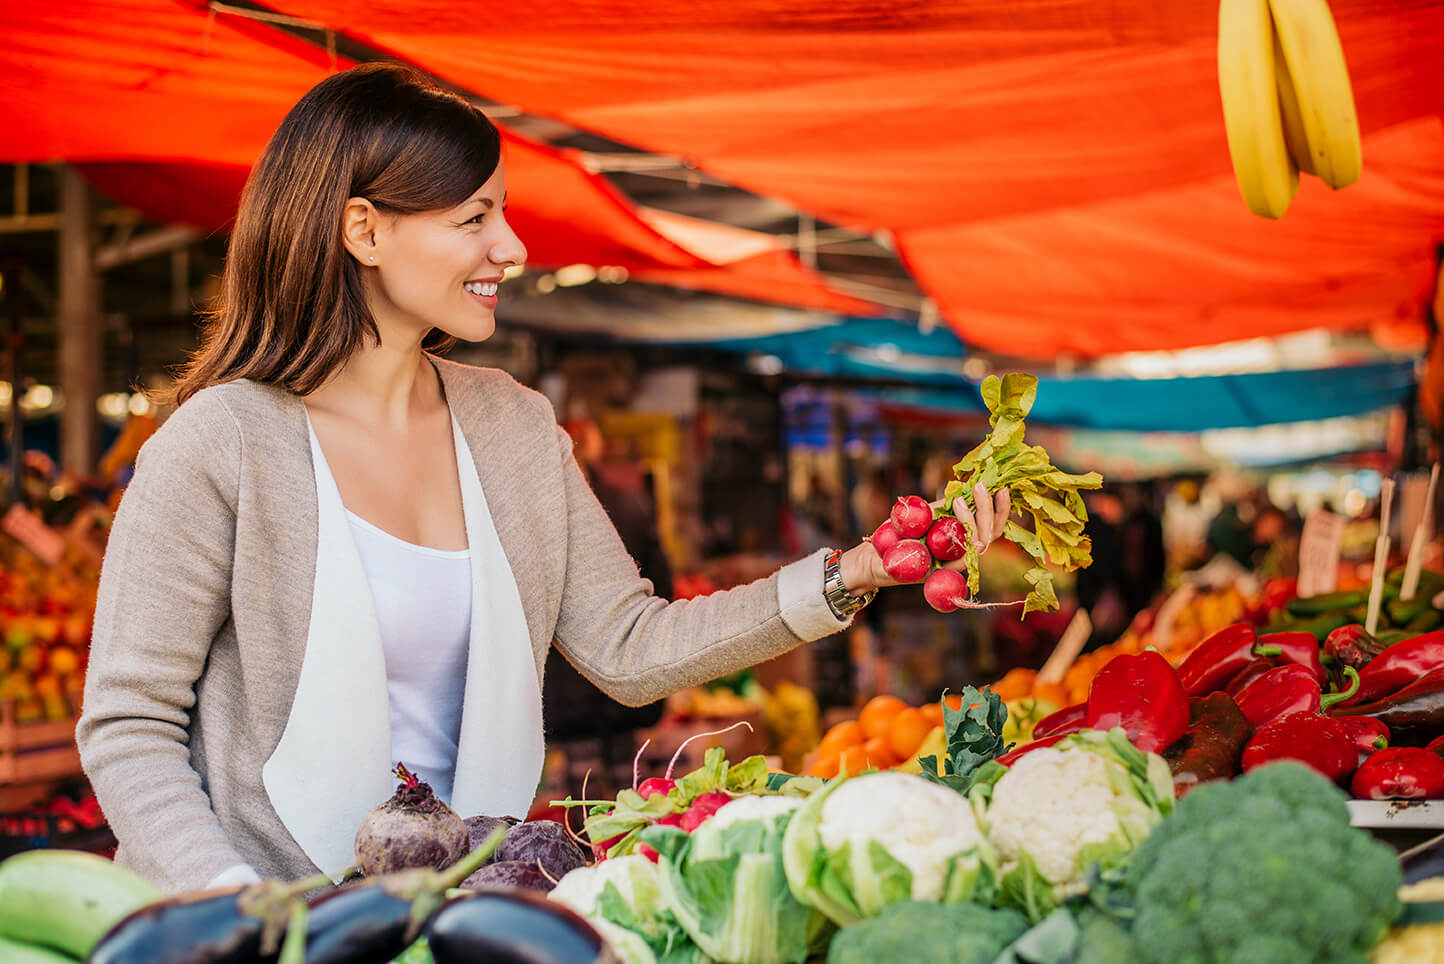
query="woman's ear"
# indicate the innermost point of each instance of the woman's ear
(359, 222)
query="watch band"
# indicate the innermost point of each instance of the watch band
(842, 603)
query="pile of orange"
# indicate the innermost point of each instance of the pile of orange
(887, 732)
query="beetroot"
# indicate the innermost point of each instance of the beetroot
(481, 827)
(908, 561)
(885, 537)
(911, 516)
(509, 875)
(946, 590)
(542, 842)
(412, 829)
(947, 539)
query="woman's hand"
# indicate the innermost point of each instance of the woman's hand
(861, 565)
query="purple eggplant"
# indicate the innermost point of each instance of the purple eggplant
(516, 927)
(236, 925)
(373, 920)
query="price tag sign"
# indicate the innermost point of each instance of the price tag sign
(32, 533)
(1319, 553)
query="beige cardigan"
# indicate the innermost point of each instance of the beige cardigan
(205, 615)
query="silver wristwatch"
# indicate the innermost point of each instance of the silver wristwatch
(842, 603)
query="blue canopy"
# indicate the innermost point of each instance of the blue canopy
(883, 349)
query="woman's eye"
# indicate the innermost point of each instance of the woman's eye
(475, 220)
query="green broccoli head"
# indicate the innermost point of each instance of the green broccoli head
(912, 930)
(1103, 939)
(1262, 869)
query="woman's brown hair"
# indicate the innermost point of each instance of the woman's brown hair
(292, 308)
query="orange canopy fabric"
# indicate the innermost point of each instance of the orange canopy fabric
(165, 108)
(1055, 170)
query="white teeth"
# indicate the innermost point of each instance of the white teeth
(481, 287)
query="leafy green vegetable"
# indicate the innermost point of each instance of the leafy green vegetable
(1039, 490)
(1263, 869)
(726, 885)
(974, 733)
(937, 933)
(622, 897)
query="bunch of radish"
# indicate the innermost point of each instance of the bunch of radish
(915, 541)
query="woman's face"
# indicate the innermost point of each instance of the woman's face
(440, 269)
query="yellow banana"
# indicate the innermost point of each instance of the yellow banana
(1247, 83)
(1315, 60)
(1295, 136)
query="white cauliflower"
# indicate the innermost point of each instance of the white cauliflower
(920, 824)
(882, 838)
(752, 807)
(1091, 798)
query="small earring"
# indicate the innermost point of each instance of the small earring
(373, 257)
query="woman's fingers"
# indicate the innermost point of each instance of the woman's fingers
(1002, 507)
(983, 510)
(965, 515)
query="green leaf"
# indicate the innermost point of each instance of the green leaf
(1019, 390)
(1042, 598)
(1026, 889)
(1024, 540)
(992, 391)
(749, 776)
(711, 775)
(1051, 941)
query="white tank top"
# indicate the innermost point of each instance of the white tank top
(423, 606)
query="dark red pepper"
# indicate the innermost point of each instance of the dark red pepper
(1352, 645)
(1272, 598)
(1369, 735)
(1070, 719)
(1256, 667)
(1418, 706)
(1400, 773)
(1317, 741)
(1013, 756)
(1142, 694)
(1435, 745)
(1398, 666)
(1288, 689)
(1210, 749)
(1217, 659)
(1299, 648)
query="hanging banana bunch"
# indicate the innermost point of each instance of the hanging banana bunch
(1287, 103)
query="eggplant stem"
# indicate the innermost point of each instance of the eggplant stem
(293, 951)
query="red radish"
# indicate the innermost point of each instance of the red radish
(911, 516)
(703, 807)
(656, 787)
(947, 539)
(599, 850)
(411, 829)
(670, 820)
(884, 537)
(946, 590)
(908, 561)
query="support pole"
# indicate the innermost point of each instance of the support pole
(78, 325)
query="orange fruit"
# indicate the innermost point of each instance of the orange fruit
(1052, 692)
(841, 736)
(825, 765)
(954, 701)
(1016, 682)
(907, 732)
(933, 713)
(853, 760)
(878, 754)
(877, 714)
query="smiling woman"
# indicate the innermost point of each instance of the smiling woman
(342, 551)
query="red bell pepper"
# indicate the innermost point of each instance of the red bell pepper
(1289, 689)
(1418, 707)
(1369, 735)
(1210, 750)
(1217, 659)
(1400, 773)
(1352, 645)
(1398, 666)
(1317, 741)
(1070, 719)
(1143, 695)
(1273, 597)
(1013, 756)
(1299, 648)
(1255, 668)
(1436, 745)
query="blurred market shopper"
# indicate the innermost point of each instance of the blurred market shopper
(342, 551)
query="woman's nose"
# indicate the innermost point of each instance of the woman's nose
(509, 249)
